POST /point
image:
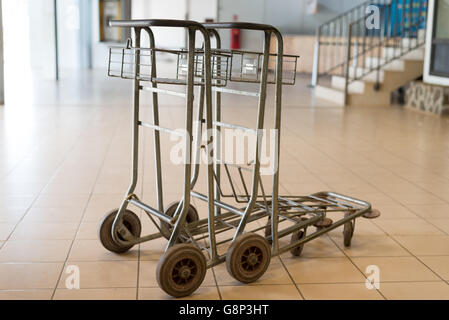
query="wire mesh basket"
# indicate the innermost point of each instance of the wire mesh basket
(232, 65)
(246, 66)
(219, 65)
(135, 63)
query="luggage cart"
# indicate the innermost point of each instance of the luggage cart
(192, 242)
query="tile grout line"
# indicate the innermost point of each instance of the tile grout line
(84, 210)
(291, 278)
(355, 265)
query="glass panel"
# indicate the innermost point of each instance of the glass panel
(442, 23)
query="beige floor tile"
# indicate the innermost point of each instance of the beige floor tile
(45, 231)
(96, 294)
(322, 247)
(394, 212)
(442, 224)
(34, 294)
(408, 227)
(338, 291)
(53, 215)
(323, 270)
(103, 274)
(430, 211)
(203, 293)
(275, 274)
(371, 246)
(153, 250)
(15, 202)
(93, 250)
(16, 276)
(416, 198)
(363, 227)
(35, 251)
(397, 269)
(72, 188)
(425, 245)
(10, 215)
(88, 231)
(415, 290)
(439, 264)
(20, 188)
(5, 230)
(61, 201)
(261, 292)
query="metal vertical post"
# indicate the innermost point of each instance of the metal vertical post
(316, 59)
(55, 6)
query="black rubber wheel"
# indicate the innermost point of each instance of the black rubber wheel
(181, 270)
(297, 235)
(130, 220)
(248, 257)
(166, 228)
(348, 231)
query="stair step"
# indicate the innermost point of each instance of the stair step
(370, 76)
(330, 94)
(354, 87)
(395, 65)
(416, 54)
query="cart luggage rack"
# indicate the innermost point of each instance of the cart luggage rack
(122, 64)
(246, 66)
(232, 65)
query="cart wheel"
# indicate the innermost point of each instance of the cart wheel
(348, 231)
(297, 235)
(166, 228)
(181, 270)
(248, 257)
(130, 220)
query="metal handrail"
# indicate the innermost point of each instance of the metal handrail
(390, 36)
(330, 55)
(334, 40)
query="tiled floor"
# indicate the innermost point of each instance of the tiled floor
(64, 162)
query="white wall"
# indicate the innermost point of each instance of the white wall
(197, 10)
(42, 37)
(287, 15)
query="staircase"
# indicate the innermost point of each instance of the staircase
(360, 66)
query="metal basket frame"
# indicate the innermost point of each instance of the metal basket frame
(257, 202)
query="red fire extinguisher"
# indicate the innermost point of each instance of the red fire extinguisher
(235, 36)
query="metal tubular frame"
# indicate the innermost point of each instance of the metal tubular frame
(304, 211)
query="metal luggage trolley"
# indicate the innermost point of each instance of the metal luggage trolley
(192, 242)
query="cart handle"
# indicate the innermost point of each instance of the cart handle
(240, 25)
(142, 23)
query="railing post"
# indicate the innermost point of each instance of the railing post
(316, 59)
(348, 61)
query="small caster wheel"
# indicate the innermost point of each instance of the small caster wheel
(130, 220)
(166, 228)
(297, 235)
(372, 214)
(181, 270)
(248, 257)
(348, 231)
